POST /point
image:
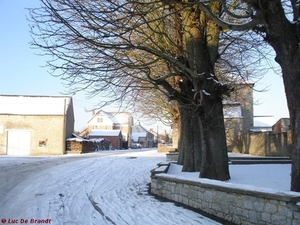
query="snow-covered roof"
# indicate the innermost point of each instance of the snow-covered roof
(138, 128)
(135, 136)
(75, 139)
(108, 115)
(229, 102)
(264, 121)
(34, 105)
(83, 139)
(107, 133)
(111, 117)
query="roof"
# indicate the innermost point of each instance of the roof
(264, 121)
(229, 102)
(107, 114)
(139, 129)
(87, 140)
(34, 105)
(105, 133)
(111, 117)
(135, 136)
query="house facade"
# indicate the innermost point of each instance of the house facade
(142, 136)
(122, 121)
(35, 125)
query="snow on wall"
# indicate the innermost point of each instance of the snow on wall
(240, 204)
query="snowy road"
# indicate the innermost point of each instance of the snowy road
(86, 189)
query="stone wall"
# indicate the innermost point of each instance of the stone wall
(265, 144)
(226, 201)
(165, 148)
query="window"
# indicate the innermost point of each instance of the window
(42, 143)
(232, 111)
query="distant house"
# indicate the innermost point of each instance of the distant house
(142, 136)
(238, 111)
(121, 121)
(115, 137)
(35, 125)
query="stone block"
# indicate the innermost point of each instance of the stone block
(277, 219)
(185, 200)
(253, 217)
(270, 208)
(266, 217)
(209, 196)
(283, 211)
(258, 206)
(248, 204)
(297, 216)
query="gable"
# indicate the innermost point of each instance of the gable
(104, 118)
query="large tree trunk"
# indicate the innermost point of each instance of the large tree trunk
(190, 140)
(202, 129)
(283, 37)
(214, 156)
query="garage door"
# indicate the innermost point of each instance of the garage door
(18, 142)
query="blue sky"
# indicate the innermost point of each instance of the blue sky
(22, 71)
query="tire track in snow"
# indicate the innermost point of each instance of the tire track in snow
(117, 185)
(98, 209)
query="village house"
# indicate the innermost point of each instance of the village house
(121, 121)
(35, 125)
(142, 136)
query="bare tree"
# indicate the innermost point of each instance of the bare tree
(110, 49)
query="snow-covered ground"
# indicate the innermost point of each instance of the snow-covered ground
(105, 189)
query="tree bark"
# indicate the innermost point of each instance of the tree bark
(202, 131)
(190, 150)
(215, 156)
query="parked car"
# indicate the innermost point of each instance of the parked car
(136, 145)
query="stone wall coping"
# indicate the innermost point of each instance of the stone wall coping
(172, 153)
(286, 196)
